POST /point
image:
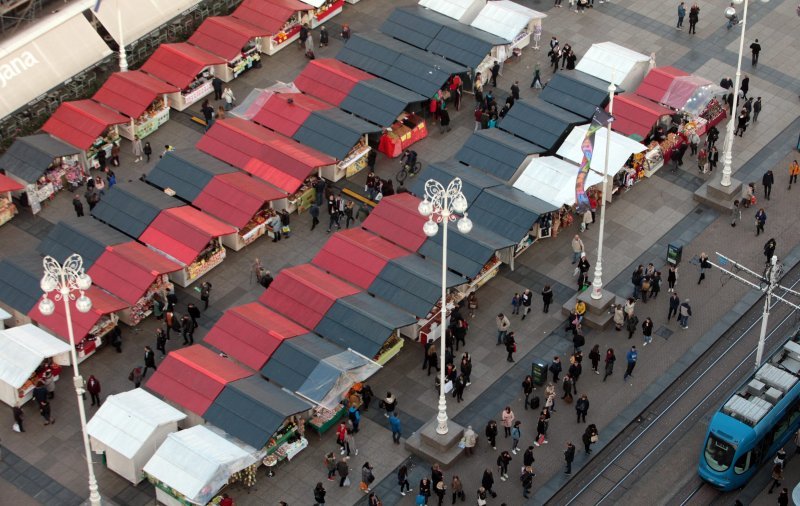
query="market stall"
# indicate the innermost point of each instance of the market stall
(607, 61)
(19, 287)
(540, 123)
(26, 353)
(386, 104)
(184, 173)
(329, 80)
(700, 101)
(402, 134)
(622, 148)
(187, 67)
(251, 333)
(322, 12)
(577, 92)
(280, 19)
(128, 428)
(635, 115)
(132, 207)
(285, 113)
(191, 238)
(464, 11)
(88, 238)
(510, 21)
(7, 208)
(552, 180)
(141, 97)
(498, 153)
(236, 40)
(397, 219)
(655, 84)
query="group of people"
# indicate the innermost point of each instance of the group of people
(565, 57)
(486, 112)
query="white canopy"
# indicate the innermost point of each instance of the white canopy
(125, 421)
(608, 61)
(22, 350)
(197, 462)
(622, 148)
(314, 3)
(464, 11)
(505, 18)
(552, 179)
(141, 16)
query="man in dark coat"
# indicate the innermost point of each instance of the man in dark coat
(187, 327)
(78, 205)
(217, 84)
(149, 360)
(495, 70)
(194, 314)
(768, 179)
(569, 456)
(515, 90)
(172, 299)
(755, 48)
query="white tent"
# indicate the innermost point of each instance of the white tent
(552, 179)
(4, 315)
(129, 427)
(464, 11)
(22, 350)
(608, 61)
(507, 19)
(622, 148)
(196, 463)
(141, 16)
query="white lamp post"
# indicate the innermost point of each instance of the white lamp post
(597, 282)
(442, 205)
(123, 57)
(64, 280)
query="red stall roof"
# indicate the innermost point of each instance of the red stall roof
(251, 333)
(329, 79)
(657, 81)
(286, 117)
(636, 115)
(226, 35)
(270, 15)
(179, 64)
(305, 293)
(128, 269)
(236, 197)
(81, 122)
(357, 256)
(183, 232)
(193, 377)
(9, 185)
(278, 160)
(397, 219)
(131, 93)
(103, 303)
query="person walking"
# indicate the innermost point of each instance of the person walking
(555, 368)
(526, 299)
(330, 464)
(319, 494)
(44, 410)
(577, 248)
(161, 341)
(470, 440)
(547, 298)
(694, 17)
(672, 277)
(19, 417)
(194, 314)
(503, 460)
(527, 390)
(516, 302)
(495, 71)
(582, 408)
(794, 171)
(503, 324)
(736, 213)
(402, 480)
(507, 417)
(487, 484)
(674, 304)
(516, 435)
(777, 476)
(229, 98)
(681, 15)
(761, 220)
(93, 387)
(589, 436)
(755, 49)
(569, 453)
(344, 470)
(769, 250)
(647, 330)
(366, 477)
(491, 433)
(704, 264)
(457, 488)
(768, 179)
(609, 363)
(684, 312)
(756, 109)
(78, 205)
(541, 431)
(632, 356)
(511, 347)
(149, 360)
(594, 356)
(632, 325)
(394, 423)
(187, 330)
(527, 481)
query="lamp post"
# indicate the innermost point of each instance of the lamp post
(64, 280)
(442, 205)
(123, 57)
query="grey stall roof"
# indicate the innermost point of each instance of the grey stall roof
(467, 253)
(473, 180)
(412, 283)
(507, 211)
(29, 157)
(497, 152)
(362, 323)
(88, 238)
(19, 282)
(540, 123)
(333, 132)
(576, 92)
(253, 409)
(379, 101)
(296, 358)
(398, 62)
(187, 172)
(131, 207)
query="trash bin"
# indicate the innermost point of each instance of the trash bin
(539, 371)
(674, 253)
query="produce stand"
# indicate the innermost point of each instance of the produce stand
(391, 348)
(7, 208)
(188, 68)
(323, 11)
(403, 133)
(281, 19)
(323, 419)
(25, 357)
(299, 201)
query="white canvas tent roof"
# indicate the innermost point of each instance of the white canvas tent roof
(125, 421)
(197, 462)
(141, 16)
(314, 3)
(552, 179)
(607, 61)
(622, 148)
(461, 10)
(505, 18)
(22, 350)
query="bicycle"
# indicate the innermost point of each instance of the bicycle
(407, 170)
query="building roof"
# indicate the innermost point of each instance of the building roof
(88, 238)
(473, 180)
(540, 122)
(292, 364)
(497, 152)
(333, 132)
(635, 115)
(507, 211)
(29, 157)
(379, 101)
(396, 218)
(19, 282)
(467, 253)
(553, 179)
(184, 232)
(132, 207)
(286, 112)
(103, 303)
(179, 64)
(412, 283)
(505, 18)
(81, 122)
(330, 80)
(225, 36)
(236, 197)
(9, 185)
(132, 93)
(270, 15)
(186, 172)
(462, 10)
(576, 92)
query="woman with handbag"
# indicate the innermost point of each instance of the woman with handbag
(366, 477)
(590, 436)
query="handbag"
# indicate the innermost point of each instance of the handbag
(15, 427)
(448, 386)
(481, 501)
(347, 481)
(595, 438)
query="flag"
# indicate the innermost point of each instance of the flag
(599, 120)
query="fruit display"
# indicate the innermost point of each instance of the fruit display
(246, 476)
(202, 266)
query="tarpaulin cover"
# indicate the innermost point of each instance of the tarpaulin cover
(22, 350)
(683, 89)
(8, 185)
(127, 270)
(462, 10)
(193, 377)
(304, 293)
(540, 122)
(329, 79)
(197, 462)
(81, 122)
(131, 207)
(334, 376)
(467, 253)
(498, 153)
(179, 63)
(251, 333)
(577, 92)
(636, 115)
(702, 96)
(126, 421)
(333, 132)
(29, 157)
(103, 303)
(269, 15)
(607, 61)
(19, 283)
(505, 18)
(132, 93)
(622, 148)
(379, 101)
(356, 255)
(140, 17)
(235, 198)
(657, 82)
(508, 211)
(256, 99)
(225, 36)
(412, 283)
(473, 180)
(88, 238)
(184, 232)
(186, 172)
(286, 112)
(397, 219)
(552, 180)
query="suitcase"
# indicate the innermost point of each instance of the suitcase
(534, 402)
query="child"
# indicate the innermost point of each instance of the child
(516, 301)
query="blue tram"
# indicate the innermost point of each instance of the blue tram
(755, 422)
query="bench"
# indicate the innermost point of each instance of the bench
(364, 200)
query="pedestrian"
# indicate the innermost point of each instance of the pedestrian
(217, 83)
(577, 248)
(684, 312)
(631, 357)
(330, 465)
(194, 313)
(736, 213)
(761, 220)
(609, 363)
(77, 205)
(647, 330)
(389, 403)
(19, 416)
(632, 325)
(147, 150)
(208, 114)
(516, 302)
(755, 48)
(537, 78)
(470, 440)
(511, 347)
(366, 477)
(229, 98)
(323, 36)
(756, 109)
(516, 435)
(149, 360)
(343, 469)
(319, 494)
(444, 119)
(187, 330)
(495, 71)
(466, 368)
(205, 293)
(694, 17)
(458, 388)
(783, 498)
(744, 87)
(594, 356)
(472, 304)
(767, 180)
(431, 358)
(681, 15)
(619, 317)
(550, 396)
(794, 170)
(350, 444)
(694, 141)
(44, 409)
(346, 32)
(527, 390)
(507, 417)
(704, 264)
(402, 480)
(355, 416)
(780, 458)
(424, 489)
(769, 250)
(93, 387)
(457, 488)
(487, 483)
(582, 408)
(541, 431)
(777, 476)
(394, 423)
(589, 436)
(569, 456)
(503, 460)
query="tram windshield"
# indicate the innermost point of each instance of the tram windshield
(719, 454)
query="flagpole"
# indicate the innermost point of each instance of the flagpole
(597, 283)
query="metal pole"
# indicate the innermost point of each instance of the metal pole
(764, 320)
(597, 283)
(123, 58)
(441, 418)
(727, 158)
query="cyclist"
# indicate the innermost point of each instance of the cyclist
(409, 159)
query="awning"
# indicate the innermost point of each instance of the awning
(461, 10)
(253, 409)
(193, 377)
(473, 180)
(357, 256)
(7, 184)
(657, 82)
(29, 157)
(132, 93)
(304, 293)
(497, 152)
(508, 211)
(538, 122)
(412, 283)
(187, 172)
(607, 61)
(251, 333)
(467, 253)
(314, 3)
(19, 282)
(131, 207)
(636, 115)
(691, 93)
(22, 351)
(333, 132)
(184, 232)
(552, 180)
(363, 323)
(379, 101)
(329, 79)
(225, 36)
(622, 148)
(103, 303)
(505, 18)
(81, 122)
(125, 422)
(179, 64)
(141, 16)
(286, 112)
(256, 99)
(129, 269)
(235, 198)
(88, 238)
(576, 92)
(270, 15)
(397, 219)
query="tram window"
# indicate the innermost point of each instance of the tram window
(743, 463)
(719, 454)
(785, 422)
